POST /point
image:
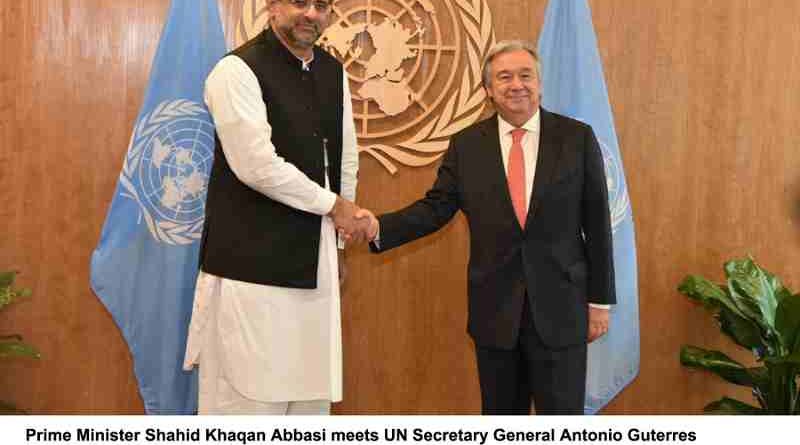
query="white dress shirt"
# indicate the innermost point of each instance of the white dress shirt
(270, 343)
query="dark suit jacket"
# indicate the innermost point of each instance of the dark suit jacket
(563, 255)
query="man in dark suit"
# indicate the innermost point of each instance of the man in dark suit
(532, 185)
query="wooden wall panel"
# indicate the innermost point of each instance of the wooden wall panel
(73, 91)
(704, 95)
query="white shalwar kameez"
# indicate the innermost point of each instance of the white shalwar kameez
(255, 344)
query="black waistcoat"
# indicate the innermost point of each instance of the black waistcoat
(248, 236)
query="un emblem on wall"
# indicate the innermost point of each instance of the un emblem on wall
(414, 68)
(167, 168)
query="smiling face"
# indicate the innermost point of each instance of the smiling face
(299, 23)
(513, 85)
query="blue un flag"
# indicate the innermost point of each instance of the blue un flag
(573, 85)
(145, 266)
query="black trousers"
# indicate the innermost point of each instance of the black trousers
(555, 378)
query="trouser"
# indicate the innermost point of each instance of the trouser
(555, 378)
(218, 396)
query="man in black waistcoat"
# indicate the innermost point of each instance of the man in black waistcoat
(265, 328)
(532, 185)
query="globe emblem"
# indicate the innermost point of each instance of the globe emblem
(389, 50)
(413, 67)
(173, 173)
(617, 192)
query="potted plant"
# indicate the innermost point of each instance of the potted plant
(12, 345)
(757, 312)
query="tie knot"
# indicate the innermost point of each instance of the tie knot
(517, 134)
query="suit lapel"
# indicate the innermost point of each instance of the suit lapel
(546, 161)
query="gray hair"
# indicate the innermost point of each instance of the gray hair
(508, 46)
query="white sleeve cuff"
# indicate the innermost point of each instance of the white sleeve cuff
(377, 240)
(324, 202)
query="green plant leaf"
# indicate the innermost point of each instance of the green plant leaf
(780, 291)
(15, 348)
(796, 347)
(743, 331)
(752, 291)
(760, 376)
(787, 322)
(759, 313)
(710, 294)
(7, 279)
(721, 365)
(726, 405)
(8, 295)
(747, 305)
(783, 374)
(782, 385)
(791, 359)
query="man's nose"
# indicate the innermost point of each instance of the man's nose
(312, 13)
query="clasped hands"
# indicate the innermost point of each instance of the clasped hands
(353, 223)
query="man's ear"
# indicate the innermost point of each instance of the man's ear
(488, 94)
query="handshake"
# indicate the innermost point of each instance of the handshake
(352, 222)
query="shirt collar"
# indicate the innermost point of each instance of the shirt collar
(532, 125)
(305, 65)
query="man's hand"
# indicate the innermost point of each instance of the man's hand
(343, 215)
(598, 323)
(370, 226)
(353, 223)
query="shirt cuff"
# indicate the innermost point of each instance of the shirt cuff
(325, 201)
(600, 306)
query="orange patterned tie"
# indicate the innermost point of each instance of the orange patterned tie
(516, 176)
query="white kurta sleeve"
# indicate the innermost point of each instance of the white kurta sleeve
(233, 97)
(349, 148)
(349, 145)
